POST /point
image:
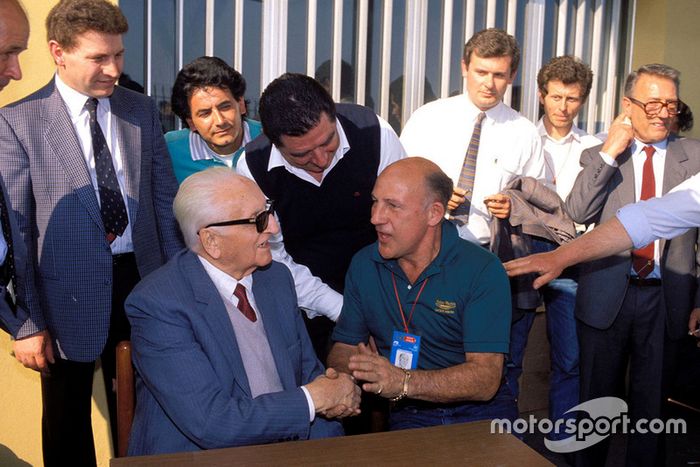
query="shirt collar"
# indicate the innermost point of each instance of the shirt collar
(199, 150)
(495, 113)
(660, 147)
(278, 160)
(224, 283)
(75, 101)
(575, 133)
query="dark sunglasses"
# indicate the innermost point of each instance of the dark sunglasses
(260, 220)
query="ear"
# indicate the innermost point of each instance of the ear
(436, 212)
(464, 68)
(512, 77)
(540, 97)
(242, 109)
(57, 53)
(190, 124)
(210, 243)
(627, 106)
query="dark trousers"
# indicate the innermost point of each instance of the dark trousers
(636, 338)
(67, 391)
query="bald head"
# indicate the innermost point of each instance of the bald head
(418, 171)
(210, 196)
(14, 34)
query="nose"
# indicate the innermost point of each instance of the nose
(320, 158)
(273, 227)
(218, 118)
(13, 70)
(488, 80)
(112, 68)
(663, 113)
(562, 105)
(377, 217)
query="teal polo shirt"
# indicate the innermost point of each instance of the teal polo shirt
(181, 157)
(464, 306)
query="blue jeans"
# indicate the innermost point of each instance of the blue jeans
(559, 299)
(419, 414)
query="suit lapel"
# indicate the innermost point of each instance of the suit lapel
(212, 311)
(129, 137)
(275, 336)
(626, 182)
(61, 138)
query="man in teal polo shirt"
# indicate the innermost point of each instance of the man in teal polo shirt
(438, 308)
(208, 96)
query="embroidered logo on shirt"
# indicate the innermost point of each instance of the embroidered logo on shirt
(445, 307)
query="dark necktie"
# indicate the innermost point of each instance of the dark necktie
(7, 272)
(244, 304)
(466, 177)
(112, 208)
(643, 258)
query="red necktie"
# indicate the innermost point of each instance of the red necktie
(244, 304)
(643, 258)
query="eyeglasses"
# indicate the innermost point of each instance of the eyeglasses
(653, 108)
(260, 220)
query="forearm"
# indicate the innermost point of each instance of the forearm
(467, 381)
(607, 239)
(339, 357)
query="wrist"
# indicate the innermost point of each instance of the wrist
(404, 387)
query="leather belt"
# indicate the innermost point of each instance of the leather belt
(641, 282)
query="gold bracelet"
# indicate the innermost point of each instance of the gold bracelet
(404, 392)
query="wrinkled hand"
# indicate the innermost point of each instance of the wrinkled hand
(34, 351)
(544, 264)
(694, 324)
(380, 376)
(620, 136)
(335, 394)
(498, 205)
(457, 199)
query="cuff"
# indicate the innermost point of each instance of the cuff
(608, 159)
(635, 223)
(312, 407)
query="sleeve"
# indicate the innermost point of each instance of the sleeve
(352, 327)
(665, 217)
(535, 165)
(585, 202)
(164, 188)
(179, 375)
(487, 314)
(14, 166)
(391, 148)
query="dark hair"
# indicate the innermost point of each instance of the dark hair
(655, 69)
(291, 105)
(491, 43)
(70, 18)
(569, 70)
(203, 72)
(440, 186)
(684, 117)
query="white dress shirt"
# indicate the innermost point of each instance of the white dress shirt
(509, 147)
(659, 162)
(80, 118)
(665, 217)
(562, 157)
(315, 297)
(226, 285)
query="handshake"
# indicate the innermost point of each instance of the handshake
(335, 395)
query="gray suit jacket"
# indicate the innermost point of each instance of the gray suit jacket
(600, 190)
(68, 282)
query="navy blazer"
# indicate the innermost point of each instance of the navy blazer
(599, 191)
(67, 285)
(192, 392)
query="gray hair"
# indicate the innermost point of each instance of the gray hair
(655, 69)
(195, 203)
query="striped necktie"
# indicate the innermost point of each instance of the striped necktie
(466, 177)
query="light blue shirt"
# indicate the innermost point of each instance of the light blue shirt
(3, 246)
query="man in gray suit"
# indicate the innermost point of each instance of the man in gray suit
(14, 33)
(633, 307)
(92, 190)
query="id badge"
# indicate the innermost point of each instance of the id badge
(405, 349)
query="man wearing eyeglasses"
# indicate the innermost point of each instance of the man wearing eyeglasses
(221, 352)
(632, 308)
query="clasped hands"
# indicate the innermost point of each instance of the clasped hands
(379, 376)
(335, 394)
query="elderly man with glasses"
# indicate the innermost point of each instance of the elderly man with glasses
(633, 308)
(221, 352)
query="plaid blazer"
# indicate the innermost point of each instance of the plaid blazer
(67, 283)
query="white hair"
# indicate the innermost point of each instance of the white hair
(195, 204)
